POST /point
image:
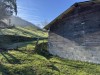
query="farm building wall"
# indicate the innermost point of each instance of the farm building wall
(77, 37)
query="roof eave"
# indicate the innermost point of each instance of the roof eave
(67, 11)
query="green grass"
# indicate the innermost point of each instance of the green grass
(26, 61)
(24, 31)
(19, 36)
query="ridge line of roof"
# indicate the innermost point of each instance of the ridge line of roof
(68, 10)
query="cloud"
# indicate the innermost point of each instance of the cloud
(27, 9)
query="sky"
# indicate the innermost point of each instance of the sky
(39, 12)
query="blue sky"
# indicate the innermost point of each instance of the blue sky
(39, 11)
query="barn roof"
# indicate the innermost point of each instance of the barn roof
(70, 10)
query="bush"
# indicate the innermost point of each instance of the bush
(42, 49)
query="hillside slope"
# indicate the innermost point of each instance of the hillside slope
(28, 31)
(22, 31)
(22, 28)
(17, 21)
(11, 38)
(25, 62)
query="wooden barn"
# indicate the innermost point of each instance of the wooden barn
(75, 34)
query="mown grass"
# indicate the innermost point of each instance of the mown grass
(27, 60)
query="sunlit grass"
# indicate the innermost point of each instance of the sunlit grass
(25, 61)
(24, 31)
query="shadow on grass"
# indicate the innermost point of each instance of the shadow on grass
(7, 41)
(22, 51)
(15, 39)
(3, 70)
(10, 58)
(25, 32)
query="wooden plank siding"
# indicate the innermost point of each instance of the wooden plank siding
(77, 37)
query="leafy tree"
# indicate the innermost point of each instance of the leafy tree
(7, 8)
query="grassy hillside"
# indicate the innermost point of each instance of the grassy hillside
(27, 31)
(11, 38)
(27, 61)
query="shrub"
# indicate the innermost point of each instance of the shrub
(42, 50)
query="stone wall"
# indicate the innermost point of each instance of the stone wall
(77, 38)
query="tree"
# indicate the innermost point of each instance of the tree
(7, 8)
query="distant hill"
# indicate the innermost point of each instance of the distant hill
(17, 21)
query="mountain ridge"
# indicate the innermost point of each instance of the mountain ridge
(18, 21)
